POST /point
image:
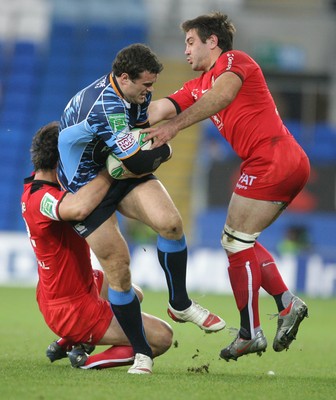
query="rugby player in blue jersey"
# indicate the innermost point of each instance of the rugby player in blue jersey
(97, 121)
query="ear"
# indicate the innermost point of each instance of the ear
(213, 40)
(124, 78)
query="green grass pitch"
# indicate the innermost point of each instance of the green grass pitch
(190, 370)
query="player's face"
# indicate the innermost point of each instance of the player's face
(136, 90)
(198, 53)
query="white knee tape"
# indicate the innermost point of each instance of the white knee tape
(234, 241)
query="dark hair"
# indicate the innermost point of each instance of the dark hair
(44, 148)
(213, 24)
(136, 59)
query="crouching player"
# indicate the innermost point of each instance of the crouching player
(70, 294)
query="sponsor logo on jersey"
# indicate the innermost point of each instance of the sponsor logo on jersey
(125, 142)
(101, 83)
(230, 58)
(194, 94)
(117, 122)
(48, 206)
(217, 121)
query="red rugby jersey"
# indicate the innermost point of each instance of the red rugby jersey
(252, 118)
(63, 257)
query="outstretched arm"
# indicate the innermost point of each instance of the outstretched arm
(217, 98)
(160, 110)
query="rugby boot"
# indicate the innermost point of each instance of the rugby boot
(239, 347)
(289, 321)
(142, 365)
(198, 315)
(77, 356)
(55, 352)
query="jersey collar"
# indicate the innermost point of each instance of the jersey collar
(115, 86)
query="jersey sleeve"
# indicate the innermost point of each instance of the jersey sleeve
(234, 61)
(183, 98)
(49, 203)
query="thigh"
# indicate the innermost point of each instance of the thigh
(107, 239)
(250, 215)
(151, 204)
(112, 252)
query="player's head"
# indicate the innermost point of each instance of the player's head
(136, 69)
(135, 59)
(44, 148)
(217, 24)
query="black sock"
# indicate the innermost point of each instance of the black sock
(245, 327)
(173, 259)
(129, 318)
(278, 301)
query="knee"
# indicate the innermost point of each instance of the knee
(117, 271)
(138, 292)
(171, 228)
(234, 241)
(163, 339)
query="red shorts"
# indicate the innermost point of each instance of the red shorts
(274, 172)
(81, 320)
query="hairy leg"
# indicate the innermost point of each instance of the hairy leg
(112, 252)
(151, 204)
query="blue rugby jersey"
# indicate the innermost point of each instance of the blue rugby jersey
(97, 119)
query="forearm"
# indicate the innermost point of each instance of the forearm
(76, 207)
(161, 110)
(147, 161)
(222, 94)
(210, 104)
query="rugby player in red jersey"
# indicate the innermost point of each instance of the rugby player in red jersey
(233, 93)
(71, 295)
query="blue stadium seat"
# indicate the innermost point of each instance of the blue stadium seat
(41, 81)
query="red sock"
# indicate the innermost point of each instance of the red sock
(271, 279)
(245, 278)
(65, 343)
(115, 356)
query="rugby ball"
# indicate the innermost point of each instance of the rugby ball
(116, 168)
(139, 137)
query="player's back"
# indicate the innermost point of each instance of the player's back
(63, 257)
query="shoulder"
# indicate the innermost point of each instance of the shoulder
(233, 57)
(236, 61)
(48, 196)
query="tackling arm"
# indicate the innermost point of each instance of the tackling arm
(160, 110)
(77, 206)
(148, 161)
(217, 98)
